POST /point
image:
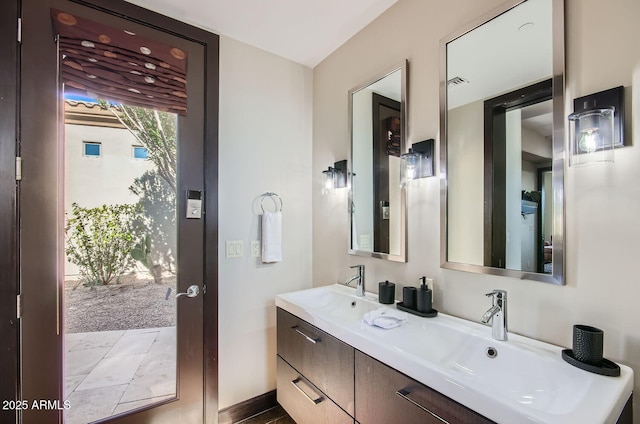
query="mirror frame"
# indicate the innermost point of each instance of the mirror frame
(402, 256)
(558, 271)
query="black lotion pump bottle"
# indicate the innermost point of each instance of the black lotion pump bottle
(424, 297)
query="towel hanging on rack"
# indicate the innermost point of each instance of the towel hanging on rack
(272, 237)
(271, 230)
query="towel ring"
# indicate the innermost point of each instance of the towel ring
(271, 195)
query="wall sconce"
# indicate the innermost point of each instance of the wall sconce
(417, 163)
(334, 177)
(596, 127)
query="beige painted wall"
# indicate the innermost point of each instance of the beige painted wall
(265, 145)
(95, 181)
(602, 204)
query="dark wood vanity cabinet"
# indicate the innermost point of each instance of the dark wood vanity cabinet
(384, 395)
(304, 402)
(324, 380)
(315, 372)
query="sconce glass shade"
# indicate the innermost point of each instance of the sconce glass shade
(591, 136)
(328, 180)
(409, 167)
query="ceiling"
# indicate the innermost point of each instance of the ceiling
(304, 31)
(511, 51)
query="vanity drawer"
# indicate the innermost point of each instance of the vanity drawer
(384, 395)
(304, 402)
(324, 360)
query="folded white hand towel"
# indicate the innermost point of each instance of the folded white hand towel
(272, 237)
(385, 318)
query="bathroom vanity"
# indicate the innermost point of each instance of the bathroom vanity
(323, 391)
(334, 368)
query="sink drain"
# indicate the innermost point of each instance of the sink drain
(492, 352)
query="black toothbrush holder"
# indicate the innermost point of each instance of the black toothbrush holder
(588, 344)
(587, 352)
(409, 297)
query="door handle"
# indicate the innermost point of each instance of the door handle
(192, 291)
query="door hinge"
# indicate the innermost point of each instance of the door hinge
(18, 168)
(19, 306)
(19, 30)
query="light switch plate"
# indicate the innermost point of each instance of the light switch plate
(234, 249)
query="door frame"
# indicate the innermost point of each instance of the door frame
(495, 159)
(9, 324)
(210, 43)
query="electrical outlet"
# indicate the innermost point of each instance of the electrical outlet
(234, 249)
(255, 248)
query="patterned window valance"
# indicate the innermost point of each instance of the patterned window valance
(119, 66)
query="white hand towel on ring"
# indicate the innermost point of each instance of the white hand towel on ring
(271, 237)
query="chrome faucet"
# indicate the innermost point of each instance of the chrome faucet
(360, 283)
(498, 314)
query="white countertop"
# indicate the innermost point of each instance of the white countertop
(528, 382)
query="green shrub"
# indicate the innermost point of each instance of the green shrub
(99, 241)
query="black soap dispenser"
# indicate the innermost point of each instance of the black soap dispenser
(424, 297)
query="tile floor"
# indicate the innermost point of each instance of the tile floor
(109, 372)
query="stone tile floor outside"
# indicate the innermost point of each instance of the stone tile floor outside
(109, 372)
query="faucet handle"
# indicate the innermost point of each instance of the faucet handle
(357, 266)
(497, 293)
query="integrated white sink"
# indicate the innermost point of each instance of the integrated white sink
(518, 381)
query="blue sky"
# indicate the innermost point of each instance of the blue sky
(78, 97)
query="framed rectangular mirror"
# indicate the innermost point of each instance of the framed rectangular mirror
(502, 143)
(377, 125)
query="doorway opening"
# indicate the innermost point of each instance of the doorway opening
(99, 269)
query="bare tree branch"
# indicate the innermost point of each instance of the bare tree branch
(156, 131)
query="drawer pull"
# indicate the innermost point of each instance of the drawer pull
(315, 401)
(311, 339)
(403, 393)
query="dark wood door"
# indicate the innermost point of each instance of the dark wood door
(41, 214)
(386, 143)
(8, 223)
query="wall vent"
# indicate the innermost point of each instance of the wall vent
(456, 81)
